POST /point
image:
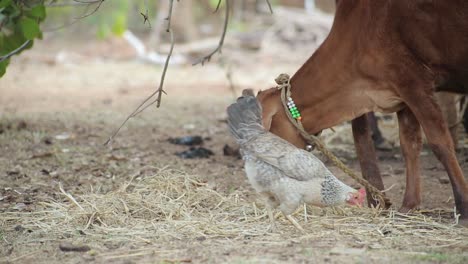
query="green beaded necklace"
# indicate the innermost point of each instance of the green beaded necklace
(283, 83)
(293, 109)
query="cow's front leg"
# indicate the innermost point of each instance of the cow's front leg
(366, 154)
(411, 143)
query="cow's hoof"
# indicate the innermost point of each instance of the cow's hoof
(404, 210)
(388, 204)
(409, 205)
(407, 209)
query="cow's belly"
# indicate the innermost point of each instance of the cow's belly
(384, 101)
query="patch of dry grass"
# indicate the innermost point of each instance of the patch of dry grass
(172, 205)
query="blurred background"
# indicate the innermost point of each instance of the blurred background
(113, 38)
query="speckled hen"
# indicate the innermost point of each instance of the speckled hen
(284, 175)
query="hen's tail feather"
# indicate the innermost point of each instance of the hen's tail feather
(245, 118)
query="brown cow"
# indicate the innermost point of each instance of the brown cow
(386, 56)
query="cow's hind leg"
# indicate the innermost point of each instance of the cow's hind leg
(439, 139)
(410, 142)
(448, 104)
(366, 154)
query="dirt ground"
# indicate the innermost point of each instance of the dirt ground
(56, 114)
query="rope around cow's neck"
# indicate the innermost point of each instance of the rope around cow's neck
(283, 84)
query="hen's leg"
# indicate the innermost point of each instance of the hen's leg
(271, 203)
(288, 206)
(272, 227)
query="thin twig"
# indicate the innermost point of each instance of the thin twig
(90, 221)
(217, 7)
(169, 16)
(142, 106)
(65, 4)
(145, 18)
(388, 189)
(221, 41)
(145, 15)
(76, 19)
(19, 49)
(269, 6)
(70, 197)
(90, 3)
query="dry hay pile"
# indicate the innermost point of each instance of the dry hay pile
(174, 206)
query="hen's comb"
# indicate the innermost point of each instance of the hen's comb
(362, 191)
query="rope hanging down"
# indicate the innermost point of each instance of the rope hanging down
(283, 84)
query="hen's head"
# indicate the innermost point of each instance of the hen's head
(357, 197)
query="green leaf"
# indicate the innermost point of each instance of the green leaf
(19, 21)
(14, 10)
(103, 31)
(12, 42)
(38, 11)
(3, 66)
(120, 24)
(29, 27)
(4, 3)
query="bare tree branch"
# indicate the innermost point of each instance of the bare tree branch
(217, 6)
(169, 16)
(89, 4)
(144, 105)
(160, 90)
(72, 3)
(19, 49)
(221, 41)
(145, 15)
(76, 19)
(145, 18)
(53, 4)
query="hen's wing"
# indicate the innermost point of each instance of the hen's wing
(293, 162)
